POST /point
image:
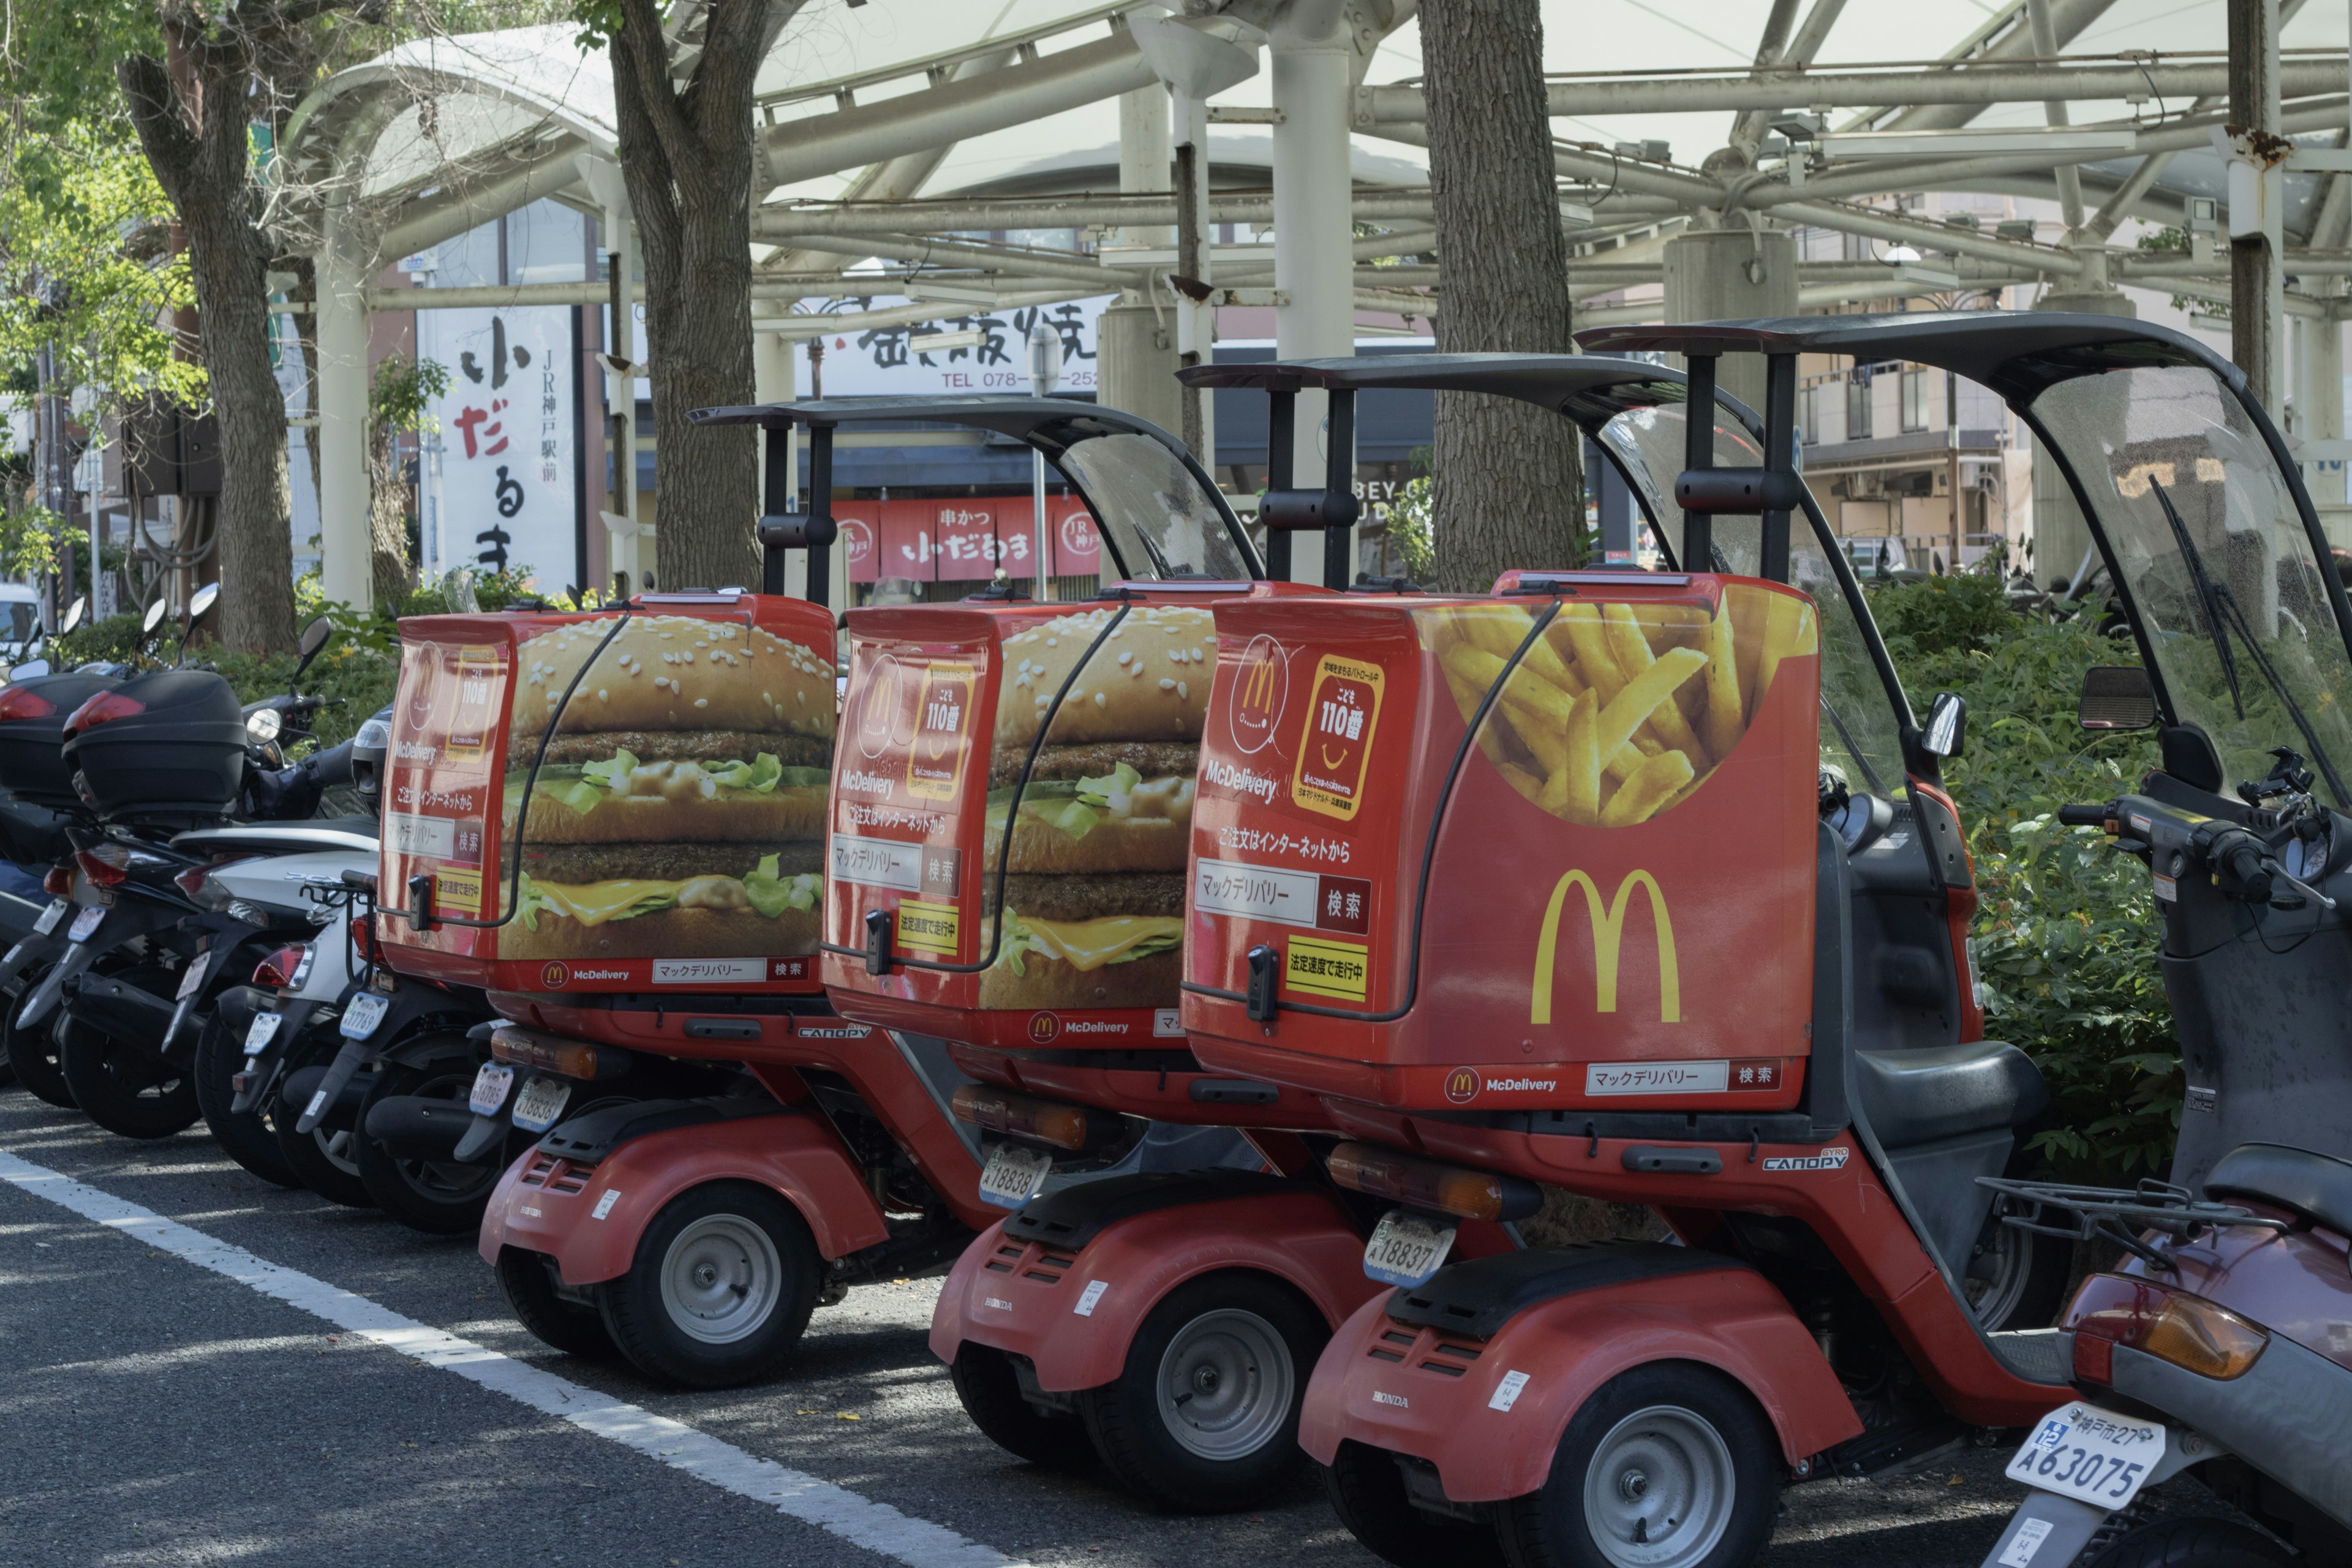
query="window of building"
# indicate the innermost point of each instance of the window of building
(1915, 398)
(1857, 405)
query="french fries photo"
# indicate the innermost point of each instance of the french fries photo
(1617, 712)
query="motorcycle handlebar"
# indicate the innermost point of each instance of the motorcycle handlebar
(2084, 816)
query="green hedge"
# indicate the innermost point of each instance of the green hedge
(2066, 928)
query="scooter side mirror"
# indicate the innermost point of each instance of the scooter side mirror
(154, 617)
(315, 636)
(29, 669)
(2116, 698)
(201, 603)
(73, 615)
(1946, 735)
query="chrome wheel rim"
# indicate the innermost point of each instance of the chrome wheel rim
(1660, 1490)
(721, 1278)
(1225, 1384)
(336, 1146)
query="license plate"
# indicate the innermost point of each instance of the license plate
(363, 1014)
(84, 923)
(2090, 1455)
(52, 915)
(1406, 1249)
(540, 1103)
(191, 977)
(263, 1030)
(1012, 1175)
(490, 1084)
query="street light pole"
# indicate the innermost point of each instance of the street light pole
(1045, 375)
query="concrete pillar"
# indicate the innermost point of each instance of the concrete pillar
(1314, 254)
(2257, 241)
(344, 572)
(1195, 319)
(625, 546)
(2060, 535)
(1144, 153)
(1731, 274)
(1135, 369)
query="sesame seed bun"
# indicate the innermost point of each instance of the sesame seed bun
(673, 672)
(1148, 681)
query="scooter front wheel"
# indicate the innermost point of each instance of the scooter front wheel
(439, 1197)
(1204, 1416)
(123, 1085)
(1667, 1465)
(990, 1390)
(2193, 1542)
(246, 1135)
(325, 1159)
(720, 1288)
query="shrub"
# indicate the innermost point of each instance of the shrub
(2066, 929)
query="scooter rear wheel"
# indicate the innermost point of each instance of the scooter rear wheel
(991, 1392)
(1368, 1495)
(526, 1279)
(719, 1290)
(34, 1054)
(121, 1084)
(439, 1197)
(1203, 1417)
(1667, 1465)
(324, 1158)
(2193, 1542)
(247, 1136)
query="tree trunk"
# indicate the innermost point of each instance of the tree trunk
(1506, 477)
(204, 170)
(388, 564)
(687, 158)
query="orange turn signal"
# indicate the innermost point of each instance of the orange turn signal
(1426, 1185)
(2190, 1332)
(1021, 1115)
(553, 1053)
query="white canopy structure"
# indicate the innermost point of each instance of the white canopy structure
(899, 137)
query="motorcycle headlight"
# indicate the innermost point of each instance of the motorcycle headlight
(262, 726)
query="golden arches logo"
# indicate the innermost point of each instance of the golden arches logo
(1608, 934)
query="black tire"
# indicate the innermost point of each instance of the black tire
(2016, 1278)
(526, 1279)
(1237, 1346)
(247, 1136)
(438, 1197)
(1667, 1433)
(744, 1273)
(991, 1392)
(121, 1084)
(34, 1056)
(323, 1159)
(2193, 1540)
(1367, 1494)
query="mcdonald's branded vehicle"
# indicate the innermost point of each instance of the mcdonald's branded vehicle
(1638, 885)
(1174, 1319)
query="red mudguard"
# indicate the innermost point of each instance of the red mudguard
(1016, 1297)
(1491, 1433)
(588, 1217)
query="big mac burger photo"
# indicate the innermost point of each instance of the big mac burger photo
(679, 808)
(1094, 891)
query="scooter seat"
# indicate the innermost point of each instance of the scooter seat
(2316, 1186)
(1946, 1091)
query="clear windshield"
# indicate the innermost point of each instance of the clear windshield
(2216, 560)
(1860, 728)
(1153, 512)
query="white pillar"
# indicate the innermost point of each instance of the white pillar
(1144, 153)
(1314, 257)
(344, 572)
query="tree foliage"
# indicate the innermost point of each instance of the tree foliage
(2066, 929)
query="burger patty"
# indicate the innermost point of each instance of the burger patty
(1153, 759)
(1093, 897)
(690, 745)
(575, 864)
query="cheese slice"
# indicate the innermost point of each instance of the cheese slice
(593, 903)
(1090, 945)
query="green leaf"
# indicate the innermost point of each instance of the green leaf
(771, 894)
(1097, 792)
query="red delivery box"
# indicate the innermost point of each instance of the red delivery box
(1047, 751)
(1533, 850)
(674, 754)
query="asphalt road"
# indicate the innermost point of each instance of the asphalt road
(157, 1412)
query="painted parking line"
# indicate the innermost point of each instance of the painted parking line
(875, 1526)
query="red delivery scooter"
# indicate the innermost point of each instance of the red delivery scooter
(1179, 1411)
(1643, 926)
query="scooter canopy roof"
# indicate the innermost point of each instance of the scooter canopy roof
(1589, 389)
(2017, 353)
(1161, 516)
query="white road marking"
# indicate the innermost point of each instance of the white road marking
(875, 1526)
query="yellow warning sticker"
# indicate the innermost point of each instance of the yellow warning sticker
(1323, 968)
(927, 927)
(458, 893)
